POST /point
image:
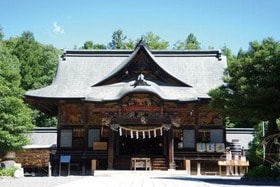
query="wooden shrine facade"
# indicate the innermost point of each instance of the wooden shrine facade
(119, 105)
(113, 131)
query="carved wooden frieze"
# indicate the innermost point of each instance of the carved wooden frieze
(94, 118)
(186, 118)
(208, 116)
(72, 114)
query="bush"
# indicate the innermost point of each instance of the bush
(8, 172)
(264, 171)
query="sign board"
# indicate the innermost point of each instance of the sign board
(100, 146)
(220, 147)
(65, 159)
(200, 147)
(210, 147)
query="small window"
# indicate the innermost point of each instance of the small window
(66, 138)
(210, 135)
(93, 136)
(204, 135)
(189, 138)
(216, 135)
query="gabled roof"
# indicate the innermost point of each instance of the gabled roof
(141, 61)
(102, 75)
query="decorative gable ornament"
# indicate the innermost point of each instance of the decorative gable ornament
(140, 81)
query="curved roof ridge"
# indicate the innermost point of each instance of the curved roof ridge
(144, 47)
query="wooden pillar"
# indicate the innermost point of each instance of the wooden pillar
(198, 168)
(111, 149)
(196, 113)
(172, 164)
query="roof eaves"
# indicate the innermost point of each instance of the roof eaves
(187, 53)
(99, 53)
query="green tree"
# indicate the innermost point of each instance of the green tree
(252, 85)
(43, 120)
(130, 44)
(118, 40)
(190, 43)
(15, 119)
(228, 53)
(1, 33)
(255, 153)
(38, 64)
(99, 46)
(155, 42)
(90, 45)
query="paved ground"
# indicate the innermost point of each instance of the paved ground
(133, 179)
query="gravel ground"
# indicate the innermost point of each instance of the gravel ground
(109, 178)
(37, 181)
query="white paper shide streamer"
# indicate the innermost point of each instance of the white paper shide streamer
(120, 130)
(138, 132)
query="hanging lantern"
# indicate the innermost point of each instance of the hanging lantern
(143, 134)
(155, 132)
(149, 134)
(161, 131)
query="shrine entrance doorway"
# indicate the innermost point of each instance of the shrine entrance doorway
(151, 147)
(154, 148)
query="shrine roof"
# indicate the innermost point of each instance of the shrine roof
(118, 90)
(90, 74)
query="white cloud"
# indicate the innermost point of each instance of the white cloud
(57, 28)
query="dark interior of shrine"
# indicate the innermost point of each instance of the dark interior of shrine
(153, 146)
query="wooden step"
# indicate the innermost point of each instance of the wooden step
(159, 164)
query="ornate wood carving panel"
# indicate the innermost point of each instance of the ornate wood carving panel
(208, 116)
(72, 114)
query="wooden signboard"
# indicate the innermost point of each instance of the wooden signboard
(100, 146)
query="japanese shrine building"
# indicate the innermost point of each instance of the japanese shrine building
(114, 105)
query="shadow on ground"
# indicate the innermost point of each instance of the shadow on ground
(226, 181)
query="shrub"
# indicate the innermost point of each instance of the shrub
(8, 172)
(264, 171)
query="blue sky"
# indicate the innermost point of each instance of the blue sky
(66, 23)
